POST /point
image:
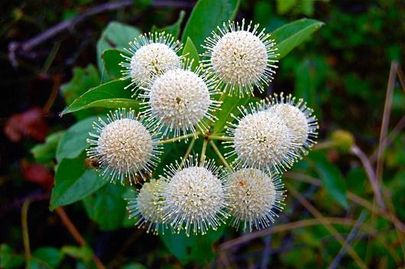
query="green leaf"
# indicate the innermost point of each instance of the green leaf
(107, 207)
(197, 248)
(9, 259)
(206, 16)
(173, 29)
(48, 256)
(73, 142)
(331, 177)
(83, 253)
(229, 107)
(83, 79)
(46, 152)
(191, 52)
(116, 35)
(108, 95)
(112, 59)
(73, 182)
(291, 35)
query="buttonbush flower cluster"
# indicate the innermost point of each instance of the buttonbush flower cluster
(180, 100)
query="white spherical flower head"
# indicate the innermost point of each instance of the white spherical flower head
(179, 100)
(147, 206)
(261, 140)
(240, 58)
(194, 198)
(254, 198)
(123, 147)
(150, 55)
(299, 119)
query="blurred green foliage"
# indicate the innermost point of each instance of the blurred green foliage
(342, 73)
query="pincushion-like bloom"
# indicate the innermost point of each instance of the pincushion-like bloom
(123, 147)
(254, 198)
(147, 206)
(239, 57)
(300, 120)
(179, 100)
(150, 55)
(194, 197)
(260, 140)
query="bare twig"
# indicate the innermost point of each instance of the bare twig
(390, 137)
(315, 212)
(352, 235)
(70, 24)
(76, 234)
(352, 197)
(287, 227)
(386, 119)
(370, 174)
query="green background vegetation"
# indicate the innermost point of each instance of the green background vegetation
(341, 69)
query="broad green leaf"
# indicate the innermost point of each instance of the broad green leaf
(229, 107)
(117, 36)
(82, 80)
(205, 17)
(173, 29)
(196, 248)
(108, 95)
(331, 177)
(83, 253)
(112, 59)
(191, 52)
(107, 207)
(73, 182)
(291, 35)
(46, 152)
(48, 256)
(73, 142)
(9, 259)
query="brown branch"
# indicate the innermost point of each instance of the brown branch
(70, 24)
(76, 234)
(386, 119)
(24, 225)
(327, 225)
(370, 174)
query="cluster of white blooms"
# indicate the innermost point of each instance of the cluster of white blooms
(179, 101)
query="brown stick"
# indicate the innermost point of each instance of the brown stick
(76, 234)
(370, 174)
(386, 119)
(30, 44)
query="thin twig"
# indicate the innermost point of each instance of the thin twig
(70, 24)
(352, 197)
(386, 119)
(286, 227)
(327, 225)
(76, 234)
(24, 225)
(352, 235)
(370, 174)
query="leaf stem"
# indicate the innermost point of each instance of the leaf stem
(24, 224)
(203, 150)
(190, 147)
(175, 139)
(220, 156)
(220, 137)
